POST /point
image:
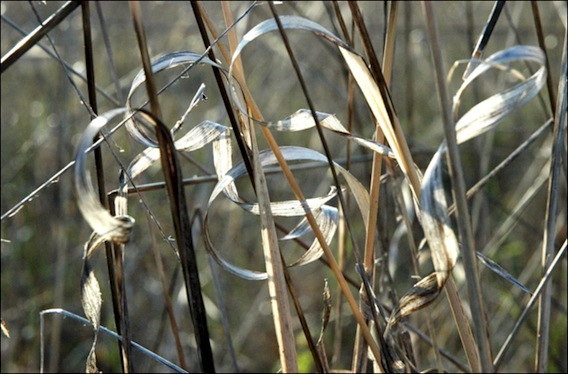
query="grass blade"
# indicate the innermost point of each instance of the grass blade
(544, 281)
(296, 22)
(178, 207)
(274, 269)
(551, 217)
(458, 192)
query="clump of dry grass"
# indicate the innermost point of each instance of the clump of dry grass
(405, 234)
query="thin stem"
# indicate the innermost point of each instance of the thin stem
(543, 328)
(458, 192)
(32, 38)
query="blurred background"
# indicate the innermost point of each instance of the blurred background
(43, 114)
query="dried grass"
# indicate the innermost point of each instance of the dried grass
(189, 265)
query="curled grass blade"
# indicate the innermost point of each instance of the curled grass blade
(290, 208)
(435, 220)
(108, 227)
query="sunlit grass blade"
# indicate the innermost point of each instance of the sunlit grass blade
(107, 226)
(286, 208)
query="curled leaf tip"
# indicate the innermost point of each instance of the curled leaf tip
(108, 227)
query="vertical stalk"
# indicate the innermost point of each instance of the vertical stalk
(543, 328)
(274, 269)
(143, 46)
(458, 192)
(541, 43)
(297, 191)
(178, 205)
(114, 253)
